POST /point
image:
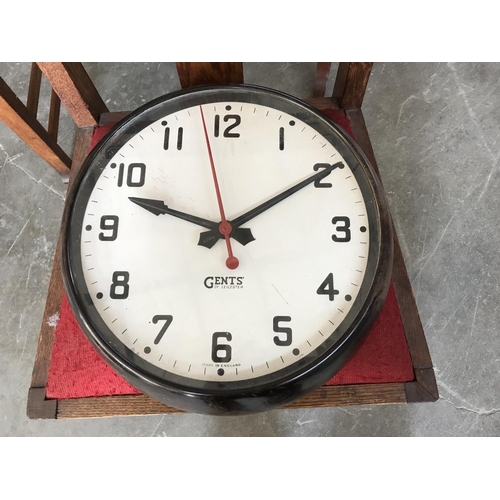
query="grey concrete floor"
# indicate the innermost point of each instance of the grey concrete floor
(435, 130)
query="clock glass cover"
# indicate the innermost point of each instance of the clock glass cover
(226, 248)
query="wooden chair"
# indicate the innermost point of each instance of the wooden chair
(72, 86)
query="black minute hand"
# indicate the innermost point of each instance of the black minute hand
(242, 219)
(209, 238)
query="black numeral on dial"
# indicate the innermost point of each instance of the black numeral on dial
(227, 132)
(318, 183)
(218, 348)
(166, 138)
(136, 174)
(119, 287)
(282, 329)
(168, 321)
(327, 288)
(342, 225)
(109, 223)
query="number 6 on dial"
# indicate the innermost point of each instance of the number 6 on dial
(217, 348)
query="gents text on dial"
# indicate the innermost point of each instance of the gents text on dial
(227, 281)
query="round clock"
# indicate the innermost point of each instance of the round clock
(226, 248)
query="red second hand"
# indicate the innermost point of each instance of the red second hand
(225, 228)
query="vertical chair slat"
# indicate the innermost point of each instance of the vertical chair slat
(34, 89)
(76, 90)
(321, 78)
(55, 108)
(350, 84)
(19, 119)
(191, 74)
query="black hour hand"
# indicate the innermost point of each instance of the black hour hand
(157, 207)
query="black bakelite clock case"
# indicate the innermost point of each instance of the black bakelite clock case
(252, 394)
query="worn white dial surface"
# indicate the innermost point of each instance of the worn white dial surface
(174, 301)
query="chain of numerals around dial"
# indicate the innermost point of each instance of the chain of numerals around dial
(152, 213)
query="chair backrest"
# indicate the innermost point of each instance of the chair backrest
(72, 86)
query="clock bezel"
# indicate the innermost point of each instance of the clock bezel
(257, 393)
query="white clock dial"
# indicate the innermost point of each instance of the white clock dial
(164, 285)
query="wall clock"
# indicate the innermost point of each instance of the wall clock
(226, 248)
